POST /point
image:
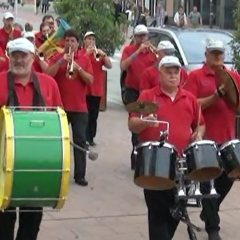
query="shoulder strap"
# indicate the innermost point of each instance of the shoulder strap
(12, 96)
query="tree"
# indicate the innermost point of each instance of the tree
(96, 16)
(235, 43)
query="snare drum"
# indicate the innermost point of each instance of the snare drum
(203, 161)
(155, 166)
(35, 158)
(230, 155)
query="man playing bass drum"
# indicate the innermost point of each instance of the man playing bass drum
(135, 59)
(220, 125)
(171, 99)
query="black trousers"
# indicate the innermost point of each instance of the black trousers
(210, 207)
(93, 104)
(44, 8)
(29, 224)
(78, 122)
(161, 224)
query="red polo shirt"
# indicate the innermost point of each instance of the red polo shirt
(219, 117)
(181, 113)
(48, 88)
(151, 77)
(4, 37)
(73, 91)
(96, 88)
(142, 61)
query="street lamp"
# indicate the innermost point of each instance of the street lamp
(211, 16)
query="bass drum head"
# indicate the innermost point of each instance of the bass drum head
(154, 183)
(205, 174)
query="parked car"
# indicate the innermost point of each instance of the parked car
(190, 45)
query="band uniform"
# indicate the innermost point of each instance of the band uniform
(73, 72)
(187, 127)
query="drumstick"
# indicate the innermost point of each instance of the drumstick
(199, 118)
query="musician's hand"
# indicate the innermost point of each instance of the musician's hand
(150, 118)
(89, 50)
(196, 137)
(220, 91)
(143, 46)
(76, 66)
(67, 57)
(101, 52)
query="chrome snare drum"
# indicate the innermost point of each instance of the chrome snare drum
(203, 161)
(155, 165)
(230, 155)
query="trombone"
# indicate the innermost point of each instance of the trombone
(70, 66)
(96, 53)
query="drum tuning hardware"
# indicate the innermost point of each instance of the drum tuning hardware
(213, 190)
(67, 170)
(197, 190)
(8, 170)
(6, 198)
(196, 147)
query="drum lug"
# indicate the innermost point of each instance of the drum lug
(8, 170)
(68, 170)
(135, 152)
(233, 145)
(196, 147)
(6, 198)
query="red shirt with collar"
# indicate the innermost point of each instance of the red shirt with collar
(142, 61)
(219, 117)
(151, 77)
(48, 88)
(181, 124)
(73, 91)
(4, 37)
(96, 88)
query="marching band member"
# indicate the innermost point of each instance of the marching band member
(220, 126)
(28, 88)
(39, 64)
(73, 72)
(95, 90)
(135, 59)
(8, 32)
(43, 34)
(171, 99)
(151, 75)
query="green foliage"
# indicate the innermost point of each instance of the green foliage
(96, 16)
(235, 43)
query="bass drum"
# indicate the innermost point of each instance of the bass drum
(35, 158)
(155, 166)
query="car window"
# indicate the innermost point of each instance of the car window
(194, 45)
(166, 37)
(154, 38)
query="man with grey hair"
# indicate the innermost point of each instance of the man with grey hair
(21, 86)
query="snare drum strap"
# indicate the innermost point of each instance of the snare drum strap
(12, 96)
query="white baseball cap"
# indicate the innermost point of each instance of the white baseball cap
(29, 35)
(215, 45)
(170, 61)
(90, 33)
(8, 15)
(22, 45)
(165, 45)
(140, 29)
(9, 44)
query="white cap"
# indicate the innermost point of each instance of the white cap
(215, 45)
(29, 35)
(170, 61)
(9, 44)
(165, 45)
(140, 29)
(8, 15)
(22, 45)
(90, 33)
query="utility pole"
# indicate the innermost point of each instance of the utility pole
(211, 16)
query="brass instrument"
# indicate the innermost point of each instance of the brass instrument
(96, 54)
(39, 54)
(70, 70)
(153, 50)
(6, 53)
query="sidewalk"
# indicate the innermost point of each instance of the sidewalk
(26, 14)
(112, 207)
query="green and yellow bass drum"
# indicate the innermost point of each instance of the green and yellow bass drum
(35, 158)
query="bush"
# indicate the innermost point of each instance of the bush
(93, 15)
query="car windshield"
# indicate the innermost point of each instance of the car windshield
(194, 44)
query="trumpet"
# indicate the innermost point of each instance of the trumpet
(6, 53)
(96, 53)
(70, 66)
(39, 54)
(153, 50)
